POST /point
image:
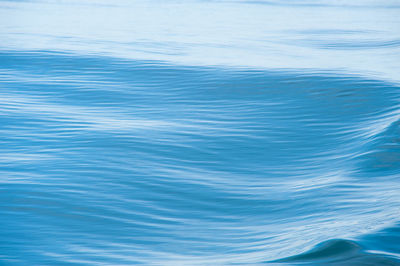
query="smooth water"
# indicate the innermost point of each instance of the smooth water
(199, 132)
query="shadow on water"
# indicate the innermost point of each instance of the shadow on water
(143, 162)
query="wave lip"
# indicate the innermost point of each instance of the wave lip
(338, 252)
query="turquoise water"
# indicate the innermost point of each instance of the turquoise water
(199, 133)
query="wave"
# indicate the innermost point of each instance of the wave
(339, 252)
(378, 248)
(110, 161)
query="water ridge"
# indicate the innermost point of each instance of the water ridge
(110, 161)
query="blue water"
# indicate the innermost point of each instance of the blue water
(199, 132)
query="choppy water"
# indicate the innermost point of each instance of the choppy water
(199, 133)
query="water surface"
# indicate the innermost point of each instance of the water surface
(199, 133)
